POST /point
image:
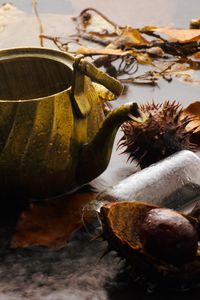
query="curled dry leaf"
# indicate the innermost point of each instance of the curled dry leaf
(129, 37)
(193, 110)
(50, 223)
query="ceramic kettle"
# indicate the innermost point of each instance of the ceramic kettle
(54, 135)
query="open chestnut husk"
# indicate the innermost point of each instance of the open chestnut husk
(122, 227)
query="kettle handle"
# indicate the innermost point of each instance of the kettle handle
(98, 76)
(81, 68)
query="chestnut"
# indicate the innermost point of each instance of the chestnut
(167, 235)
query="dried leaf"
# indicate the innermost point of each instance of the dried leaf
(193, 110)
(143, 58)
(124, 48)
(179, 35)
(188, 78)
(156, 51)
(50, 223)
(129, 37)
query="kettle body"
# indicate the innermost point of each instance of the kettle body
(51, 120)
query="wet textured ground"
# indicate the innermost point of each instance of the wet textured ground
(77, 272)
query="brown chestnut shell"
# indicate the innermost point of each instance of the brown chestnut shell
(122, 222)
(170, 236)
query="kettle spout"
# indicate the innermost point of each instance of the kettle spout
(95, 156)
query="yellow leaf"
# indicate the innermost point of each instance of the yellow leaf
(143, 58)
(129, 37)
(193, 110)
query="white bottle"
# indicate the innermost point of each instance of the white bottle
(173, 182)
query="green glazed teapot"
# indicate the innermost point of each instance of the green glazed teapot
(54, 135)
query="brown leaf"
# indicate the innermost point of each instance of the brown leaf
(193, 110)
(129, 37)
(179, 35)
(183, 35)
(50, 223)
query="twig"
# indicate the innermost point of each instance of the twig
(100, 14)
(41, 28)
(57, 41)
(150, 77)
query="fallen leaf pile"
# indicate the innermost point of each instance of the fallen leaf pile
(132, 47)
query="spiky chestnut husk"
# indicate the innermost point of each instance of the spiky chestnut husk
(158, 133)
(121, 227)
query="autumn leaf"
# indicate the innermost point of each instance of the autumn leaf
(122, 48)
(183, 35)
(176, 34)
(129, 37)
(50, 223)
(193, 110)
